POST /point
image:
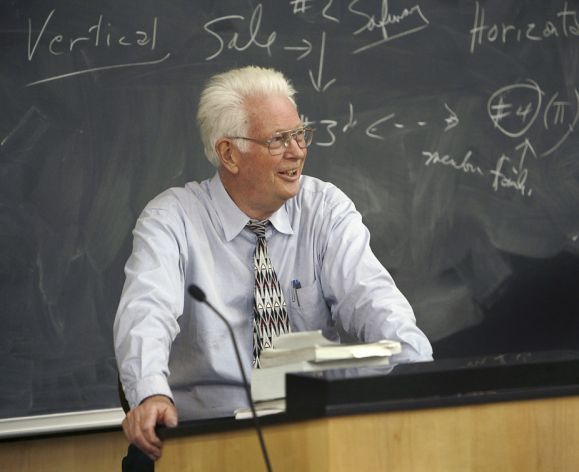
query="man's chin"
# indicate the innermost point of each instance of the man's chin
(291, 189)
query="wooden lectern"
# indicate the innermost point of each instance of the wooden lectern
(503, 413)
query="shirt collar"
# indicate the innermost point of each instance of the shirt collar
(280, 221)
(234, 220)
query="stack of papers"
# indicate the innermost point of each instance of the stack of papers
(311, 351)
(262, 408)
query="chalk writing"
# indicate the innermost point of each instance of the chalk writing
(325, 136)
(563, 24)
(571, 126)
(452, 119)
(306, 49)
(97, 35)
(516, 179)
(515, 108)
(325, 13)
(317, 82)
(372, 128)
(559, 107)
(499, 109)
(300, 6)
(100, 35)
(234, 42)
(503, 175)
(525, 146)
(98, 69)
(328, 126)
(388, 25)
(464, 165)
(507, 173)
(351, 121)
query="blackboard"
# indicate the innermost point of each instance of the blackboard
(452, 125)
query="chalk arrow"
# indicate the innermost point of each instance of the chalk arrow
(307, 48)
(317, 83)
(525, 146)
(452, 119)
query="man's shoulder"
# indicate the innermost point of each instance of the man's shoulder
(191, 191)
(314, 191)
(319, 206)
(176, 199)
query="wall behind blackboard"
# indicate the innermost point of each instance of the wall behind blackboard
(452, 125)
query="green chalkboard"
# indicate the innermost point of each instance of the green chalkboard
(452, 125)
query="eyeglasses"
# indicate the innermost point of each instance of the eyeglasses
(279, 142)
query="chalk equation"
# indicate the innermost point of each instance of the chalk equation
(328, 130)
(514, 110)
(99, 35)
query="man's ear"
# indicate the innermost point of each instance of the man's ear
(228, 155)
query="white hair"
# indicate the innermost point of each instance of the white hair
(222, 106)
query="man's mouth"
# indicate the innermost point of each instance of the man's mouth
(290, 172)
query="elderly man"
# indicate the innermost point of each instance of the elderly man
(274, 250)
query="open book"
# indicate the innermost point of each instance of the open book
(311, 351)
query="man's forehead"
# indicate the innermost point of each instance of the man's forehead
(273, 114)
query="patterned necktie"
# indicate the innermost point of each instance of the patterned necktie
(269, 309)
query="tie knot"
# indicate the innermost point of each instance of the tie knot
(258, 227)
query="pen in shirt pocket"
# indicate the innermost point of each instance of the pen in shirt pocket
(296, 284)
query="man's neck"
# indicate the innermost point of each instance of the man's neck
(252, 212)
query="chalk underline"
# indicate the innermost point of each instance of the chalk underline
(96, 69)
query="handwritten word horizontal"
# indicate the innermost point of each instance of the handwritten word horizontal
(565, 24)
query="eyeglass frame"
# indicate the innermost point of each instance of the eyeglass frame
(291, 135)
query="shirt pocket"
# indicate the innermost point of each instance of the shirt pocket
(307, 308)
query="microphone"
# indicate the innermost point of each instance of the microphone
(198, 294)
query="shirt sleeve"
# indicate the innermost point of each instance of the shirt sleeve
(151, 302)
(361, 293)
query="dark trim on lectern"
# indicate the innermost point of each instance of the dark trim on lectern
(444, 383)
(219, 425)
(435, 384)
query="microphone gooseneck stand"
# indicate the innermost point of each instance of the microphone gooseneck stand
(199, 295)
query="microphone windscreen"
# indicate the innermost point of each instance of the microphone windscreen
(196, 293)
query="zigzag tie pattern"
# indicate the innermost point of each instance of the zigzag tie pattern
(269, 308)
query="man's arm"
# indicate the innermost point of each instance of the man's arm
(146, 324)
(362, 294)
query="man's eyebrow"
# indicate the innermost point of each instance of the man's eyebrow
(280, 131)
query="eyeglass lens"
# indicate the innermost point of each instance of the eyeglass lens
(303, 138)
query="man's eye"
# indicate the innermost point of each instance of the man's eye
(277, 139)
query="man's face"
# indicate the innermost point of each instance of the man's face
(264, 182)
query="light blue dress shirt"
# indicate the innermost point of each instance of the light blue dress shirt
(167, 343)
